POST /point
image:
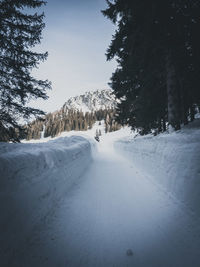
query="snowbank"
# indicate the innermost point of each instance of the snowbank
(34, 178)
(171, 160)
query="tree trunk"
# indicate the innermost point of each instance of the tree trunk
(164, 124)
(192, 112)
(183, 100)
(172, 94)
(159, 125)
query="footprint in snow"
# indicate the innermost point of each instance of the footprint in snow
(129, 252)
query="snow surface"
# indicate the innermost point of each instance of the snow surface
(113, 215)
(171, 160)
(34, 178)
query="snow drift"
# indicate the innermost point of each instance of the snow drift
(34, 178)
(170, 160)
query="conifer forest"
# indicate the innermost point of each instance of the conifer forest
(157, 47)
(70, 120)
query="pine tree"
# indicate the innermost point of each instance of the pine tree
(155, 43)
(19, 32)
(68, 120)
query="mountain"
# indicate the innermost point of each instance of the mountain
(79, 113)
(92, 101)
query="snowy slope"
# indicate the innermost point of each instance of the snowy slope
(89, 135)
(170, 160)
(34, 179)
(125, 209)
(92, 101)
(114, 215)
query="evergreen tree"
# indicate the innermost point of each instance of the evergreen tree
(19, 32)
(158, 61)
(68, 120)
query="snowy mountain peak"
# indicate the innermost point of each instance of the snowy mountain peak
(92, 101)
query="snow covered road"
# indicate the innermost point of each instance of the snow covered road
(114, 216)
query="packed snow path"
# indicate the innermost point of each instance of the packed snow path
(113, 216)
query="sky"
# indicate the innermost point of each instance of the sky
(76, 36)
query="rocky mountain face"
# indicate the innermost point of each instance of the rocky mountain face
(79, 114)
(92, 101)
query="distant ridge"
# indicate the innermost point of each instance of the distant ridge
(79, 113)
(92, 101)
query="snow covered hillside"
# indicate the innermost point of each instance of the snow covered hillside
(78, 113)
(92, 101)
(170, 160)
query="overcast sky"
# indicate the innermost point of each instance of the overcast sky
(76, 36)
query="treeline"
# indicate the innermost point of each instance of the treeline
(157, 49)
(70, 120)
